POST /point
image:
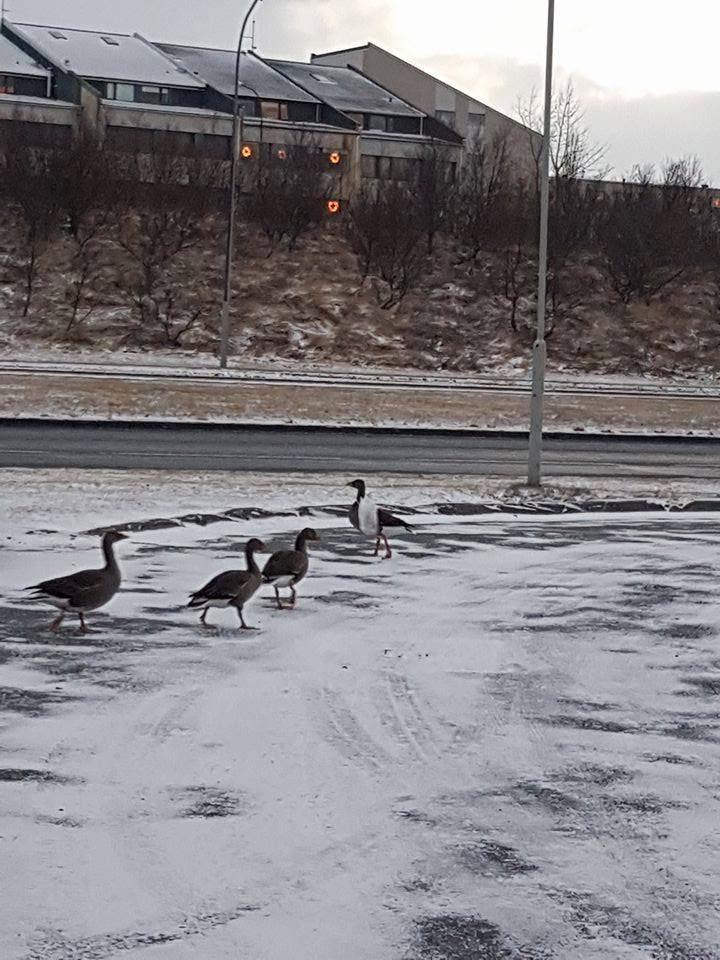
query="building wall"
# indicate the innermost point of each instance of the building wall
(431, 95)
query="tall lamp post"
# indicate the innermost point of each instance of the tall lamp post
(539, 347)
(232, 206)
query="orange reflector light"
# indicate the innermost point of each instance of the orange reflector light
(716, 203)
(335, 157)
(246, 152)
(282, 154)
(333, 206)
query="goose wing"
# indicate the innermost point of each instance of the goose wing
(285, 563)
(387, 519)
(225, 586)
(70, 587)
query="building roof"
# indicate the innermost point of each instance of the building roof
(217, 69)
(345, 89)
(105, 56)
(16, 61)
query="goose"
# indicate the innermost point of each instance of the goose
(287, 568)
(372, 520)
(83, 591)
(231, 589)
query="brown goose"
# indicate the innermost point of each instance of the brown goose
(233, 588)
(286, 568)
(83, 591)
(372, 520)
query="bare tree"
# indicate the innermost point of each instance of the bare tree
(287, 196)
(162, 236)
(434, 191)
(29, 189)
(482, 195)
(386, 234)
(515, 276)
(573, 151)
(88, 194)
(650, 232)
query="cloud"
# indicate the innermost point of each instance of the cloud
(645, 129)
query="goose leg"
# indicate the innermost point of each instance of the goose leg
(203, 617)
(293, 596)
(377, 546)
(55, 625)
(243, 625)
(83, 625)
(388, 551)
(277, 599)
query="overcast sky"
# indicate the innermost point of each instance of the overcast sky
(648, 70)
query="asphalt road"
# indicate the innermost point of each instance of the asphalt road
(35, 444)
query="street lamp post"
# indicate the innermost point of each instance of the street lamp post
(232, 206)
(539, 347)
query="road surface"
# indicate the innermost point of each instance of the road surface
(34, 444)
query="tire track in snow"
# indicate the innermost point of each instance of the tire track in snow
(343, 731)
(402, 714)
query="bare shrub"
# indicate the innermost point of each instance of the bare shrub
(386, 235)
(162, 236)
(649, 233)
(434, 191)
(29, 189)
(481, 199)
(89, 191)
(286, 198)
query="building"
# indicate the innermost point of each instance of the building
(393, 133)
(26, 96)
(472, 119)
(142, 97)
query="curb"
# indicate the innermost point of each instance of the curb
(486, 434)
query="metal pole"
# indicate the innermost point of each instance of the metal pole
(539, 347)
(237, 128)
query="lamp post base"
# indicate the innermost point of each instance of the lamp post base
(536, 414)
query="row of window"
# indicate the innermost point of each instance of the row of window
(386, 124)
(23, 86)
(475, 121)
(396, 168)
(137, 93)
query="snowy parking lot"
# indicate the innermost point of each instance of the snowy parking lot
(502, 743)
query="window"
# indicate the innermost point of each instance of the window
(7, 84)
(272, 110)
(368, 167)
(111, 41)
(404, 124)
(447, 117)
(374, 121)
(403, 168)
(475, 125)
(152, 94)
(322, 78)
(384, 168)
(120, 91)
(57, 35)
(300, 112)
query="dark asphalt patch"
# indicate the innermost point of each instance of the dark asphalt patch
(20, 775)
(54, 945)
(462, 937)
(32, 703)
(701, 686)
(209, 802)
(490, 858)
(348, 598)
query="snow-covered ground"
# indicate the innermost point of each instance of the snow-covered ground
(503, 743)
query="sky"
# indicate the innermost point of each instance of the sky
(647, 71)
